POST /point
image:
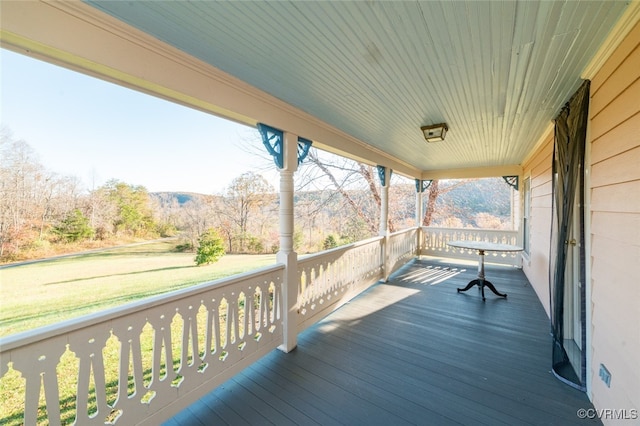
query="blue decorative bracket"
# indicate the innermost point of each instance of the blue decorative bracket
(304, 145)
(422, 185)
(512, 181)
(381, 175)
(273, 140)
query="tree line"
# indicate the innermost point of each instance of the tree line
(337, 201)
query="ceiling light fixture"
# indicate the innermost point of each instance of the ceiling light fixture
(435, 132)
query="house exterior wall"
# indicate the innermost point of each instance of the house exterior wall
(613, 218)
(614, 138)
(536, 264)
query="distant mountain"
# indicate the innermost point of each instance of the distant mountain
(180, 197)
(465, 201)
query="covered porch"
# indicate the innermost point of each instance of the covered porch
(409, 351)
(361, 82)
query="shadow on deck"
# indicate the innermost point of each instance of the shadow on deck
(410, 351)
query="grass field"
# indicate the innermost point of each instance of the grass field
(46, 292)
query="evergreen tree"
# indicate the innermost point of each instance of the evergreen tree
(74, 227)
(210, 247)
(329, 242)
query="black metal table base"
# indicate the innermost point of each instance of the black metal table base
(482, 284)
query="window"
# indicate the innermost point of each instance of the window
(526, 216)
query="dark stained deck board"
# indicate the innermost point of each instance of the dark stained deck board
(281, 390)
(408, 352)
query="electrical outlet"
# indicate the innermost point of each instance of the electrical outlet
(605, 375)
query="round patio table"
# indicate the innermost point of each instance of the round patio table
(481, 247)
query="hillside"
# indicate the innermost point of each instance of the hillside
(461, 203)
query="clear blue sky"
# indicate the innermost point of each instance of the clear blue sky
(94, 130)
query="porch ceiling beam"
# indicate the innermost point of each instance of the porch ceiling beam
(470, 173)
(77, 36)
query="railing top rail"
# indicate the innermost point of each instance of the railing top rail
(332, 252)
(64, 327)
(402, 231)
(488, 230)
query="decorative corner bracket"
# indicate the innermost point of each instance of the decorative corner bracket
(512, 181)
(272, 139)
(422, 185)
(304, 145)
(381, 175)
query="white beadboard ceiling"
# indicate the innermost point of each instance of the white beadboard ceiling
(497, 72)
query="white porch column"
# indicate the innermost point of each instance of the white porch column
(286, 254)
(419, 215)
(419, 212)
(383, 231)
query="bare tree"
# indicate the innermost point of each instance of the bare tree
(55, 196)
(166, 208)
(346, 177)
(101, 213)
(245, 196)
(434, 192)
(197, 216)
(402, 205)
(32, 198)
(18, 168)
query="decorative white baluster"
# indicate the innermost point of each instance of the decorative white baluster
(232, 329)
(249, 314)
(212, 336)
(161, 338)
(88, 348)
(38, 367)
(278, 305)
(189, 340)
(130, 356)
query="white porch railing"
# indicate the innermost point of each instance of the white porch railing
(403, 246)
(145, 361)
(168, 350)
(434, 243)
(330, 278)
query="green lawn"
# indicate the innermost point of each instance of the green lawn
(46, 292)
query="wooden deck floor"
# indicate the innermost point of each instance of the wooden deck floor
(411, 351)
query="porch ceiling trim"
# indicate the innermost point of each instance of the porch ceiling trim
(626, 23)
